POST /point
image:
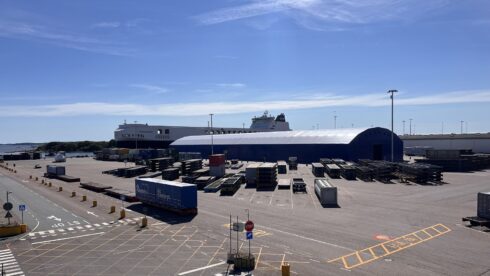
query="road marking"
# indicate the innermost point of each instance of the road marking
(62, 239)
(201, 268)
(9, 263)
(391, 246)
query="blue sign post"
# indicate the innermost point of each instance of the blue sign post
(22, 208)
(249, 235)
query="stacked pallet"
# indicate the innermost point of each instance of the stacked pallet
(332, 170)
(326, 161)
(383, 170)
(215, 186)
(364, 173)
(203, 181)
(251, 173)
(170, 174)
(230, 186)
(282, 167)
(134, 171)
(160, 164)
(266, 175)
(317, 169)
(293, 163)
(421, 173)
(191, 165)
(348, 171)
(339, 161)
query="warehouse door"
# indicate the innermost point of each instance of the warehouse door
(377, 152)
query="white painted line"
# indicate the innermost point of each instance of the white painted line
(61, 230)
(201, 268)
(81, 236)
(41, 232)
(79, 227)
(88, 226)
(5, 250)
(16, 273)
(105, 223)
(70, 229)
(97, 225)
(51, 231)
(31, 234)
(6, 255)
(9, 258)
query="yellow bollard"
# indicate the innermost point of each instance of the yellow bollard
(84, 198)
(23, 228)
(113, 209)
(94, 203)
(285, 268)
(37, 178)
(123, 214)
(73, 194)
(42, 181)
(144, 222)
(60, 189)
(50, 184)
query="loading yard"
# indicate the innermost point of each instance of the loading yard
(378, 228)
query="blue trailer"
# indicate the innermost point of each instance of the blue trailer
(177, 197)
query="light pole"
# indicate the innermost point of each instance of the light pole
(410, 131)
(442, 128)
(392, 92)
(8, 218)
(403, 127)
(462, 126)
(212, 133)
(335, 120)
(136, 134)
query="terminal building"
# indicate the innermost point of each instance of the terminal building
(308, 146)
(477, 142)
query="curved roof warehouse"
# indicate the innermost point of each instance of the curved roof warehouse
(307, 145)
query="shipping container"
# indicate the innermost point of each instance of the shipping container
(216, 159)
(484, 205)
(282, 167)
(174, 196)
(53, 170)
(326, 192)
(217, 171)
(332, 170)
(251, 173)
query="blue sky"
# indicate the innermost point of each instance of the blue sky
(74, 70)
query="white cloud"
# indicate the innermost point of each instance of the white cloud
(322, 14)
(37, 32)
(150, 87)
(232, 85)
(111, 24)
(200, 109)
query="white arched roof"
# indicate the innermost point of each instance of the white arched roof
(327, 136)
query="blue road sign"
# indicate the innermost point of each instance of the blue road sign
(250, 235)
(22, 207)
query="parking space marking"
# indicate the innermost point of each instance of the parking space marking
(75, 237)
(368, 255)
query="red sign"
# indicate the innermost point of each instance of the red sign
(249, 226)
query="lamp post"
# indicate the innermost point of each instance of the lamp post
(8, 218)
(212, 133)
(462, 126)
(392, 92)
(410, 133)
(335, 120)
(403, 127)
(136, 134)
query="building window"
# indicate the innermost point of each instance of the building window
(159, 131)
(167, 131)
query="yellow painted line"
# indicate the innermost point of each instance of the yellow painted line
(258, 258)
(397, 244)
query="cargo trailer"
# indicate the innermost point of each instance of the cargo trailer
(318, 169)
(230, 186)
(332, 170)
(326, 192)
(177, 197)
(299, 185)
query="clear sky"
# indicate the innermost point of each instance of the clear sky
(74, 70)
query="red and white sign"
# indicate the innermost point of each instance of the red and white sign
(249, 226)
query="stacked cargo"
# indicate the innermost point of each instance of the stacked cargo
(134, 171)
(184, 156)
(282, 167)
(332, 170)
(173, 196)
(189, 179)
(348, 172)
(483, 210)
(284, 183)
(339, 161)
(203, 181)
(266, 175)
(364, 173)
(299, 185)
(54, 171)
(191, 165)
(230, 186)
(215, 186)
(421, 173)
(201, 172)
(170, 174)
(326, 161)
(217, 165)
(382, 170)
(326, 192)
(317, 169)
(293, 163)
(160, 164)
(251, 173)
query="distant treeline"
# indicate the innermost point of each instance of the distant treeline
(85, 146)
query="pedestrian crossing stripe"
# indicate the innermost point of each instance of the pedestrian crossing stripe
(10, 265)
(81, 228)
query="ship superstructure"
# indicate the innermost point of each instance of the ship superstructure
(136, 135)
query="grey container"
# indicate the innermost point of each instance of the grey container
(251, 173)
(55, 170)
(326, 192)
(484, 205)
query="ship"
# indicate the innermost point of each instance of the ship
(142, 136)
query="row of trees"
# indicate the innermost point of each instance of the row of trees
(82, 146)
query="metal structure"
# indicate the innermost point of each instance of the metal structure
(212, 134)
(392, 92)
